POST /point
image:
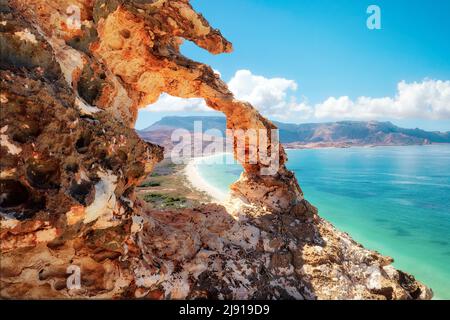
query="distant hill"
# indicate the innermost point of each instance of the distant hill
(171, 123)
(309, 135)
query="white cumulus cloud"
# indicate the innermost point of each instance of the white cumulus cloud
(168, 103)
(429, 99)
(276, 98)
(273, 97)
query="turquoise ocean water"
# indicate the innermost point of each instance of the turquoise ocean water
(395, 200)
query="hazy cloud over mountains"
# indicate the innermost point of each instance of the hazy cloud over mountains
(168, 103)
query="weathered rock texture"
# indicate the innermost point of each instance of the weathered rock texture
(70, 90)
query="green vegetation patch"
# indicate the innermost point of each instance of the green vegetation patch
(165, 201)
(150, 184)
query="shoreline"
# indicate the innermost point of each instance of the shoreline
(199, 183)
(195, 179)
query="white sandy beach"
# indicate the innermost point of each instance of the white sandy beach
(199, 183)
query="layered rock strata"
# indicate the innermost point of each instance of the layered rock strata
(73, 74)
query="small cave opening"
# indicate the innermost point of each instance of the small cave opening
(13, 193)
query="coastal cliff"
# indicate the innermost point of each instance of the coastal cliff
(73, 75)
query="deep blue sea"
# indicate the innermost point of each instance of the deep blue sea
(395, 200)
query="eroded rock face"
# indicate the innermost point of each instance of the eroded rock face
(70, 90)
(126, 53)
(251, 253)
(66, 180)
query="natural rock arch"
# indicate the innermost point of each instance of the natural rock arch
(127, 54)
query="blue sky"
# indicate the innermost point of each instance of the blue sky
(327, 50)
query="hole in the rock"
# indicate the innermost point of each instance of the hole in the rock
(172, 122)
(36, 203)
(81, 191)
(88, 118)
(43, 174)
(157, 122)
(125, 33)
(113, 161)
(27, 130)
(71, 166)
(90, 85)
(83, 142)
(194, 52)
(122, 155)
(13, 193)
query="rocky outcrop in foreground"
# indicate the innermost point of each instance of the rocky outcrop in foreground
(73, 74)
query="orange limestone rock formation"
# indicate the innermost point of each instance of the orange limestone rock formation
(73, 74)
(131, 55)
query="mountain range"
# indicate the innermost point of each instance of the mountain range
(307, 135)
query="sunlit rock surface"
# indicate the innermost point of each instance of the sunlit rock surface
(70, 90)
